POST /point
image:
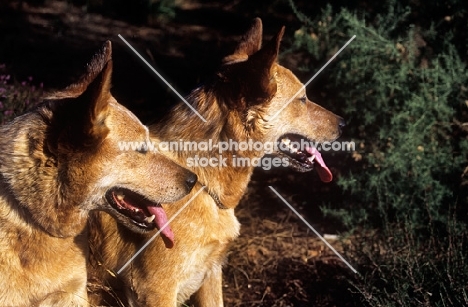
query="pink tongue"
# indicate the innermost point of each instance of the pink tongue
(161, 220)
(322, 169)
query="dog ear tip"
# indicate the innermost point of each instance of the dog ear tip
(257, 21)
(256, 28)
(280, 33)
(107, 50)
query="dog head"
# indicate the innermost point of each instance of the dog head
(88, 152)
(272, 103)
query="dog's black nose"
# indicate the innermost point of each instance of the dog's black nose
(341, 122)
(191, 180)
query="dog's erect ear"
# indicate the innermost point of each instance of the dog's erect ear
(252, 81)
(262, 63)
(81, 121)
(251, 42)
(97, 96)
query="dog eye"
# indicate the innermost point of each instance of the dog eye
(142, 150)
(303, 99)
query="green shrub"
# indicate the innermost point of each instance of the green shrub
(403, 91)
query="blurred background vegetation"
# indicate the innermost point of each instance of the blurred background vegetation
(400, 201)
(403, 84)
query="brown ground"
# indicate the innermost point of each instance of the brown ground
(276, 261)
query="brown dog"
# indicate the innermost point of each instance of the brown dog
(239, 105)
(61, 161)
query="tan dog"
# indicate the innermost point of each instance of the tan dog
(61, 161)
(239, 105)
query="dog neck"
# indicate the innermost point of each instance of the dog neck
(222, 125)
(32, 187)
(216, 199)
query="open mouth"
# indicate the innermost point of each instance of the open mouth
(303, 158)
(142, 212)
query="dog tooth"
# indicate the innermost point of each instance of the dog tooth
(312, 158)
(286, 141)
(292, 149)
(120, 196)
(149, 219)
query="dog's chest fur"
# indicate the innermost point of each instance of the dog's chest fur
(203, 233)
(201, 259)
(37, 268)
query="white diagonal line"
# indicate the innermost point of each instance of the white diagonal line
(312, 228)
(313, 77)
(162, 78)
(162, 228)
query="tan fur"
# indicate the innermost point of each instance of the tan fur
(249, 88)
(56, 164)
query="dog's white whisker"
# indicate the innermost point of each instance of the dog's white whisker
(313, 229)
(159, 231)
